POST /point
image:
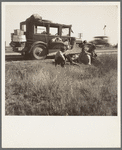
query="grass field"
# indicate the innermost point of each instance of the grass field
(40, 88)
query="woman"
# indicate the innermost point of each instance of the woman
(85, 56)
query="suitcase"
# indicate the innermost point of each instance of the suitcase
(19, 38)
(18, 32)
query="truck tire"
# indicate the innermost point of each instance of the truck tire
(39, 52)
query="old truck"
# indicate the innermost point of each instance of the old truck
(37, 37)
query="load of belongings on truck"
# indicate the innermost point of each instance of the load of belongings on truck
(36, 19)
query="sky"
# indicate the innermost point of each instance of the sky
(86, 18)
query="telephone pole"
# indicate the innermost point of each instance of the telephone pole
(80, 35)
(104, 30)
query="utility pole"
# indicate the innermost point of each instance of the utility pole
(104, 30)
(80, 35)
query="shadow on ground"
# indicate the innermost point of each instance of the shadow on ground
(21, 58)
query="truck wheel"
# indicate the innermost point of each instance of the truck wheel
(39, 52)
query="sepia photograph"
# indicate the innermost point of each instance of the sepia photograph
(61, 59)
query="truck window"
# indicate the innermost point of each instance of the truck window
(65, 31)
(40, 30)
(53, 31)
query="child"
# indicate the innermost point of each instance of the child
(59, 57)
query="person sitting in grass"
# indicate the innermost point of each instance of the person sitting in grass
(59, 57)
(85, 56)
(91, 50)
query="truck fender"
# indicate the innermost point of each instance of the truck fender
(36, 43)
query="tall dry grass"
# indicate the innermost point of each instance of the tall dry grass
(42, 89)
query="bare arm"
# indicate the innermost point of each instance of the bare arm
(88, 53)
(59, 54)
(62, 56)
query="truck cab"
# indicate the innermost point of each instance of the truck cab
(42, 37)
